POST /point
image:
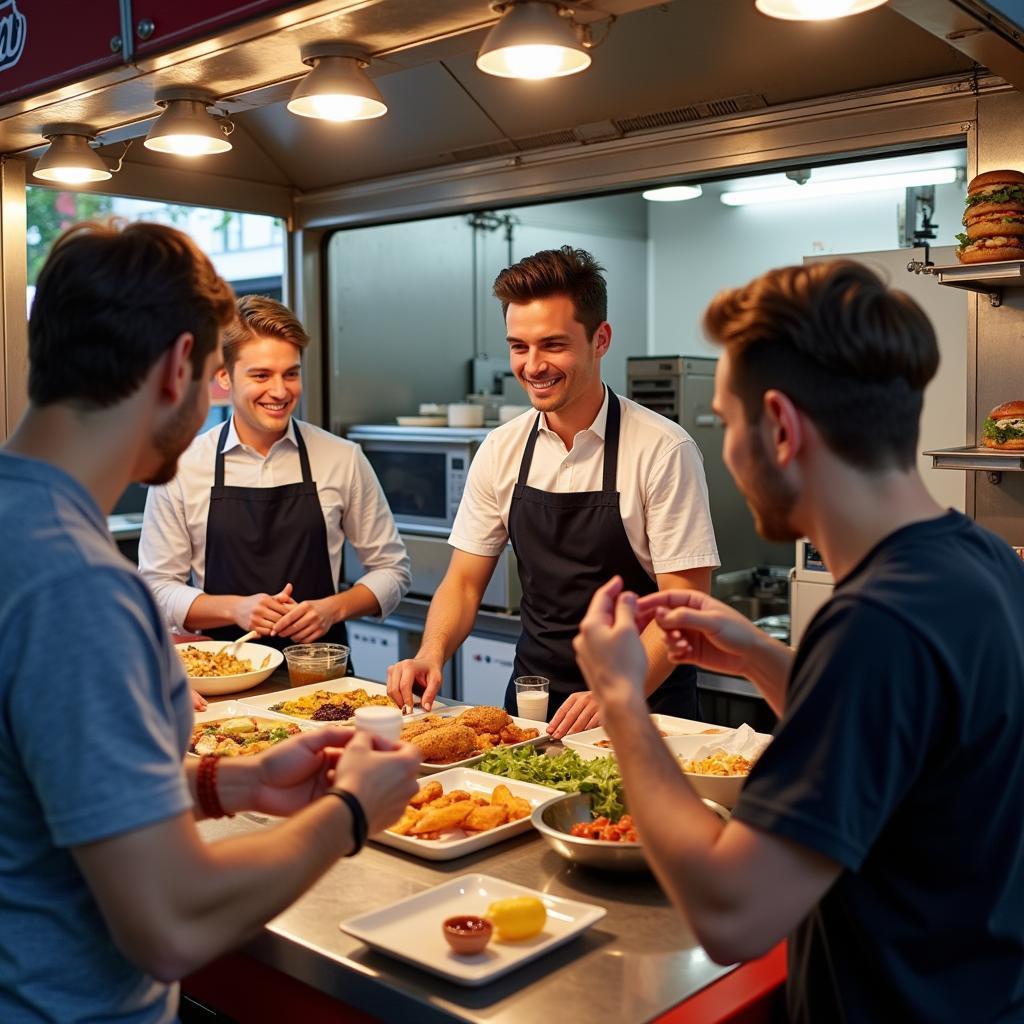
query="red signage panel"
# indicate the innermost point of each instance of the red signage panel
(167, 24)
(44, 44)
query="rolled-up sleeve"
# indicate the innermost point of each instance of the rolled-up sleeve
(479, 527)
(165, 553)
(370, 528)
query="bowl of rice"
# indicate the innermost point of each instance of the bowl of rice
(213, 671)
(717, 768)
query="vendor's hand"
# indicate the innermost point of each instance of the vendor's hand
(198, 701)
(578, 712)
(306, 621)
(405, 675)
(261, 611)
(608, 648)
(702, 631)
(290, 774)
(381, 775)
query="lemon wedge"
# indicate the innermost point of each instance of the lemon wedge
(520, 917)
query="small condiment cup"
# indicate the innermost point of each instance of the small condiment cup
(467, 934)
(380, 721)
(315, 663)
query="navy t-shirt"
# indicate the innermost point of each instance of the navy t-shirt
(901, 757)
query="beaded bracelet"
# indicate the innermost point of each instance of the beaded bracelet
(206, 788)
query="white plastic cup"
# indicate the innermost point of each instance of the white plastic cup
(380, 721)
(532, 698)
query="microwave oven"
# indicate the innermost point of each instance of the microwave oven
(422, 471)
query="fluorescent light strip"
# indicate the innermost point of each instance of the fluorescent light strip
(839, 187)
(672, 193)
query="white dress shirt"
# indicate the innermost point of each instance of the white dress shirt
(172, 548)
(663, 495)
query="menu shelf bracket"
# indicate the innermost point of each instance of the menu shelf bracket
(985, 460)
(985, 278)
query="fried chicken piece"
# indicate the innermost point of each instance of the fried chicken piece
(485, 719)
(483, 818)
(486, 741)
(441, 819)
(421, 726)
(513, 734)
(446, 743)
(427, 792)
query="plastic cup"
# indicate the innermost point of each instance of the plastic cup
(532, 698)
(380, 721)
(315, 663)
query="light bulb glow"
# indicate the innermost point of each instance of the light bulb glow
(839, 186)
(337, 107)
(673, 193)
(534, 62)
(814, 10)
(188, 146)
(72, 175)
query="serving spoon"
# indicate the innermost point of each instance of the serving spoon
(238, 643)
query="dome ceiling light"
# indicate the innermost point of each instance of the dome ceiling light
(69, 159)
(814, 10)
(536, 39)
(186, 127)
(338, 88)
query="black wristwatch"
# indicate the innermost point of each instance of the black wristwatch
(359, 824)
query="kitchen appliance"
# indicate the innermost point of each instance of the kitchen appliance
(422, 471)
(810, 587)
(681, 388)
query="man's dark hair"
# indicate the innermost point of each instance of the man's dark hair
(110, 300)
(852, 354)
(565, 271)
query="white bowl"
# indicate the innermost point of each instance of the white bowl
(723, 789)
(256, 653)
(465, 414)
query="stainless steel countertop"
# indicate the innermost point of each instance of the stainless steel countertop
(636, 963)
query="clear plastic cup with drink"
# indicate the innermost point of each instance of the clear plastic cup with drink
(532, 697)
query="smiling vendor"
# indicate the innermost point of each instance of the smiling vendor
(589, 485)
(249, 534)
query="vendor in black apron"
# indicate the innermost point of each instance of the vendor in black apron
(569, 540)
(223, 559)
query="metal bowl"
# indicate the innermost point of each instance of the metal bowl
(554, 821)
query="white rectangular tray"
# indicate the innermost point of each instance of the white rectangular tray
(460, 844)
(263, 702)
(585, 743)
(411, 928)
(428, 767)
(236, 709)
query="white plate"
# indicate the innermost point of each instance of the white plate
(235, 709)
(341, 685)
(411, 928)
(459, 844)
(422, 421)
(524, 723)
(585, 743)
(217, 685)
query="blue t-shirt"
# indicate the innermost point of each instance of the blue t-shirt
(901, 757)
(95, 715)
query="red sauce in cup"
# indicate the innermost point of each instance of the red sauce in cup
(467, 934)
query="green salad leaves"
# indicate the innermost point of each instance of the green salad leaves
(566, 771)
(1000, 431)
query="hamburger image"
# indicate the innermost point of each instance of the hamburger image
(994, 218)
(1004, 428)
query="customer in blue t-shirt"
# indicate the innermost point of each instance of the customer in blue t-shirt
(882, 829)
(107, 892)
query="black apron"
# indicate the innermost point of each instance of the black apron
(568, 545)
(260, 538)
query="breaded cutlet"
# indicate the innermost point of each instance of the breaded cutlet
(485, 719)
(446, 743)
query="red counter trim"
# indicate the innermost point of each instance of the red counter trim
(752, 994)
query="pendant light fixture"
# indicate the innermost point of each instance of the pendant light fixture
(338, 88)
(814, 10)
(535, 39)
(69, 159)
(186, 127)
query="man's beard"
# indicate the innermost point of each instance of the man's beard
(176, 435)
(770, 497)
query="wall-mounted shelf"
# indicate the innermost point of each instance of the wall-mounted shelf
(986, 278)
(987, 460)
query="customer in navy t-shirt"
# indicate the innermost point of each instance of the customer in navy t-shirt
(882, 830)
